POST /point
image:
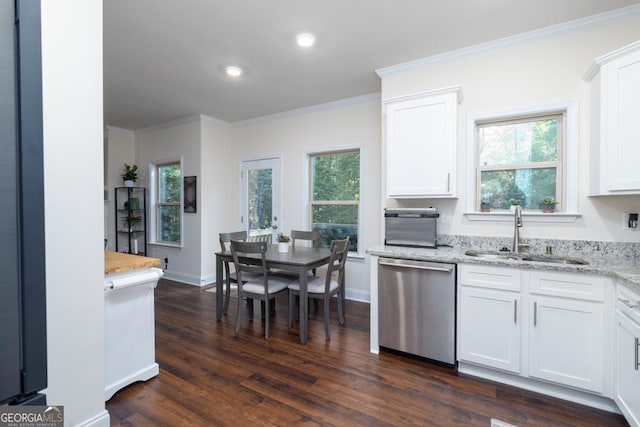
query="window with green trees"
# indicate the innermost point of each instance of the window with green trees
(335, 196)
(168, 207)
(520, 160)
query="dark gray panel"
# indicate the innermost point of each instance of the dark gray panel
(9, 276)
(32, 248)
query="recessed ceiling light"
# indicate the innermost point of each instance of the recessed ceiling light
(305, 39)
(233, 71)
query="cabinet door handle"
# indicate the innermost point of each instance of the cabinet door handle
(449, 182)
(535, 314)
(515, 311)
(636, 361)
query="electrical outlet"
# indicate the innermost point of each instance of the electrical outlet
(630, 221)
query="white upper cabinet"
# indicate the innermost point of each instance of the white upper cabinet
(421, 144)
(615, 132)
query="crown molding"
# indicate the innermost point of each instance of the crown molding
(608, 57)
(115, 129)
(182, 121)
(614, 16)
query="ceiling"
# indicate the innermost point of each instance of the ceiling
(164, 59)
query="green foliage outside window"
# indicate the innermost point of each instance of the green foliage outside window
(519, 160)
(169, 197)
(260, 199)
(335, 197)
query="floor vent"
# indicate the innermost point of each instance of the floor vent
(498, 423)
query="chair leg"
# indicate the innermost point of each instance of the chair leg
(238, 314)
(250, 303)
(266, 319)
(340, 302)
(291, 307)
(227, 296)
(326, 318)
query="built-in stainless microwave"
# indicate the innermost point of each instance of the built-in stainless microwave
(416, 227)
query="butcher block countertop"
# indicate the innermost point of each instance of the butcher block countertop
(116, 262)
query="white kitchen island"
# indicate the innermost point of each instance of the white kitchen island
(129, 285)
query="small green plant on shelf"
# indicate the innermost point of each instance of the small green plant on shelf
(515, 202)
(283, 238)
(130, 173)
(131, 221)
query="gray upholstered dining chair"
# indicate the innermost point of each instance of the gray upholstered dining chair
(254, 281)
(229, 276)
(319, 287)
(312, 236)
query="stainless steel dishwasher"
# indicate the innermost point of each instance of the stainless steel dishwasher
(417, 308)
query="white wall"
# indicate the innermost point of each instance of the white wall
(121, 149)
(214, 191)
(73, 137)
(541, 71)
(348, 123)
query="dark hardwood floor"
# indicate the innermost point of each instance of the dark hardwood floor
(209, 376)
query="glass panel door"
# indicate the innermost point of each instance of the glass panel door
(261, 198)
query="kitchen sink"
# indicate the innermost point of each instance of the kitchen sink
(525, 257)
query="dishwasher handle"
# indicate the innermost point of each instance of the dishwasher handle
(447, 268)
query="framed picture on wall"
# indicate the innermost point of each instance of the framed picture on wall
(190, 194)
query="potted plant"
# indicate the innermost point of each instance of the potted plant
(485, 206)
(514, 203)
(283, 243)
(548, 205)
(131, 221)
(129, 174)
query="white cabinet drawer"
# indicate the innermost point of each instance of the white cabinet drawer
(491, 277)
(569, 285)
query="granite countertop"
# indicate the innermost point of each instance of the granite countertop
(116, 262)
(626, 270)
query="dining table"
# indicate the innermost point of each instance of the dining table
(299, 260)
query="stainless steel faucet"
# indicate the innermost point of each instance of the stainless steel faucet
(517, 223)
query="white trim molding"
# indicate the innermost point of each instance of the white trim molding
(617, 15)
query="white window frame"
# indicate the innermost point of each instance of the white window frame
(307, 202)
(569, 185)
(153, 203)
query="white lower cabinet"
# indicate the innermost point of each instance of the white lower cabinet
(537, 328)
(627, 351)
(489, 328)
(566, 342)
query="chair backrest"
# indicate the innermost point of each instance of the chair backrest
(238, 248)
(339, 251)
(261, 238)
(312, 236)
(228, 237)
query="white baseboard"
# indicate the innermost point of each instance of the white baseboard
(188, 279)
(576, 396)
(100, 420)
(142, 375)
(358, 295)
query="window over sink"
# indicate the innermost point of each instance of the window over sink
(520, 161)
(526, 157)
